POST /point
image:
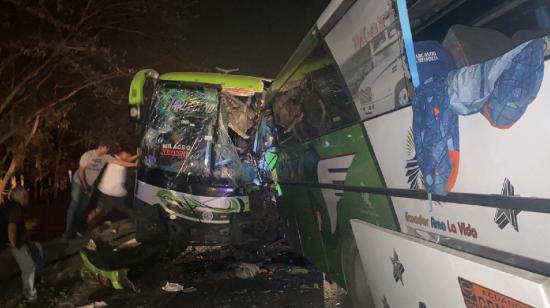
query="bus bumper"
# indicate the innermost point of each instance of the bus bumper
(154, 222)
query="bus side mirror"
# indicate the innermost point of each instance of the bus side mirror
(136, 98)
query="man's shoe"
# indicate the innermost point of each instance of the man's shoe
(30, 299)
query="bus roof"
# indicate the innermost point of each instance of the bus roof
(233, 84)
(236, 82)
(309, 66)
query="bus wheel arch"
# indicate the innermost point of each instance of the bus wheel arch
(402, 93)
(357, 286)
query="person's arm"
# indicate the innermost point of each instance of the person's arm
(124, 163)
(84, 160)
(12, 235)
(136, 156)
(82, 177)
(112, 160)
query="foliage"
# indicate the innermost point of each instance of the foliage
(64, 70)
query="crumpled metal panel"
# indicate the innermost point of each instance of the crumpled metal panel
(242, 114)
(227, 162)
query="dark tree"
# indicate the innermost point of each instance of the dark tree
(65, 66)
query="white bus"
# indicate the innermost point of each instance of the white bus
(441, 200)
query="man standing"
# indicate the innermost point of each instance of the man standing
(83, 183)
(112, 189)
(27, 254)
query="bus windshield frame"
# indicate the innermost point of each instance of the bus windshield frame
(186, 136)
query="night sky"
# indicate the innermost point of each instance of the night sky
(258, 36)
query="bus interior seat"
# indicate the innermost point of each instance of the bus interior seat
(474, 45)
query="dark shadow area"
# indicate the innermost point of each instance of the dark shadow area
(256, 36)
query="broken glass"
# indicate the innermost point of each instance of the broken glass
(242, 114)
(188, 134)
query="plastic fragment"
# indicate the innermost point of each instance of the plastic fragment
(297, 270)
(94, 305)
(172, 287)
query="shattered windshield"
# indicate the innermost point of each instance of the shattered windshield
(187, 135)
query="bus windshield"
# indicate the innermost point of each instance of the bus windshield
(187, 134)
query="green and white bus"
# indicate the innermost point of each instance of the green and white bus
(197, 179)
(357, 195)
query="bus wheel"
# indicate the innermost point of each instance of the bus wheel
(358, 289)
(403, 93)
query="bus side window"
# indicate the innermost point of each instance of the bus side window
(324, 99)
(314, 101)
(331, 90)
(287, 114)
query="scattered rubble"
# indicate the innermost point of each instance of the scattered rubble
(245, 270)
(297, 270)
(100, 304)
(176, 287)
(172, 287)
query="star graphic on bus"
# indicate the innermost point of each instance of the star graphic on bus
(398, 268)
(503, 217)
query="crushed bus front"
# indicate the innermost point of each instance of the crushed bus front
(197, 181)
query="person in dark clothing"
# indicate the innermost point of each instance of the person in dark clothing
(27, 254)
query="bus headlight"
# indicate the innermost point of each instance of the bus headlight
(135, 113)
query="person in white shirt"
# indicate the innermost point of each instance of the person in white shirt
(83, 184)
(112, 189)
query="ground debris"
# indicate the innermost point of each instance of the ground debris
(94, 305)
(240, 292)
(172, 287)
(244, 270)
(189, 290)
(306, 287)
(272, 281)
(176, 287)
(298, 270)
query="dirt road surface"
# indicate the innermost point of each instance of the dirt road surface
(210, 276)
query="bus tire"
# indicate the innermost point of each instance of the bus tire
(358, 290)
(402, 93)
